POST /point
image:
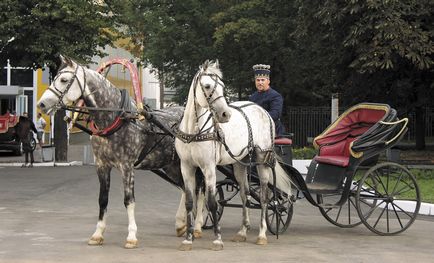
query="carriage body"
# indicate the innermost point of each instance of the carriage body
(357, 136)
(8, 138)
(345, 181)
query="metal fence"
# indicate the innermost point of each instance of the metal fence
(308, 122)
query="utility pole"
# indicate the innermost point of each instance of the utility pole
(335, 107)
(60, 137)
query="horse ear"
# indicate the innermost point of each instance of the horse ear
(205, 64)
(65, 60)
(216, 64)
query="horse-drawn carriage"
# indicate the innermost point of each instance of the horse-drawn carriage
(345, 180)
(386, 197)
(9, 139)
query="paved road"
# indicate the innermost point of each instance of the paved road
(48, 213)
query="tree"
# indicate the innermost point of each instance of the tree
(44, 29)
(174, 36)
(387, 49)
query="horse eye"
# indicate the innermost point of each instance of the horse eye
(63, 80)
(207, 86)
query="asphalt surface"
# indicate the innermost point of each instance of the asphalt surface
(47, 214)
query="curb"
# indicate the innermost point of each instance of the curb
(46, 164)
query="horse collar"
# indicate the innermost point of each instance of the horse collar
(116, 124)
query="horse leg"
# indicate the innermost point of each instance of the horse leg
(189, 184)
(180, 218)
(129, 202)
(240, 172)
(198, 222)
(104, 187)
(181, 215)
(210, 181)
(264, 176)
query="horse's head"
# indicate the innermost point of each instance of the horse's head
(209, 91)
(67, 87)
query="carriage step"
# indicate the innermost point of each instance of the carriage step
(322, 188)
(328, 206)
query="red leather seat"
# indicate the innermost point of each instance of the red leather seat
(335, 142)
(282, 141)
(341, 161)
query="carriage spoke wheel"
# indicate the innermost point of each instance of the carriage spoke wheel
(279, 214)
(388, 199)
(33, 144)
(208, 222)
(344, 216)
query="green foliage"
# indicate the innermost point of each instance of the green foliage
(304, 153)
(425, 181)
(45, 29)
(174, 36)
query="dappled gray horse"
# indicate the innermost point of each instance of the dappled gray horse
(118, 142)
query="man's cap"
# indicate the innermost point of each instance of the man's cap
(261, 71)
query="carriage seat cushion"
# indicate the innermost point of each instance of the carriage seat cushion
(341, 161)
(282, 141)
(334, 144)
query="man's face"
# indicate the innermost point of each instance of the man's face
(262, 83)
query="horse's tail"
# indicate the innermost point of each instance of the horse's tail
(283, 181)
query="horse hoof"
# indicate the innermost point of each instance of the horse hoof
(239, 238)
(131, 244)
(261, 241)
(181, 231)
(217, 245)
(197, 234)
(95, 241)
(186, 246)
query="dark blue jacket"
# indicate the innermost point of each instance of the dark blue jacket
(272, 102)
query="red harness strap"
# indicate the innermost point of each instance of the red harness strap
(117, 123)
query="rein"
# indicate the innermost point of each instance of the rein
(250, 146)
(120, 118)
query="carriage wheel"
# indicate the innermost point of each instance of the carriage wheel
(344, 216)
(32, 144)
(208, 223)
(279, 209)
(388, 199)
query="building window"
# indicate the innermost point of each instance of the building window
(22, 77)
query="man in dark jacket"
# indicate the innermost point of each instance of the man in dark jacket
(23, 131)
(266, 97)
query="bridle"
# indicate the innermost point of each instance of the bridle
(217, 81)
(60, 94)
(94, 130)
(204, 134)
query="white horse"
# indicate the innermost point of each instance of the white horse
(212, 133)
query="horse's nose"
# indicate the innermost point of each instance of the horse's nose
(225, 116)
(41, 105)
